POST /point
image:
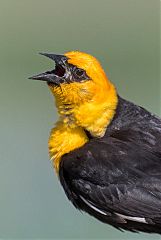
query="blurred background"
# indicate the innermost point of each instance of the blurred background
(124, 36)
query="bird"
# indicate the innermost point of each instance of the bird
(106, 150)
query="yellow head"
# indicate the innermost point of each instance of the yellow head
(85, 98)
(84, 95)
(87, 80)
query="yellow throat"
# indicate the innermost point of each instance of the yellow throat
(87, 105)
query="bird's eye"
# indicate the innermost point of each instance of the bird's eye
(79, 72)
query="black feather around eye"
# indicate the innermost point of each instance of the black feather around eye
(79, 72)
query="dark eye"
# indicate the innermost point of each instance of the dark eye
(79, 72)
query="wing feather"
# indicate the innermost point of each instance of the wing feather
(115, 176)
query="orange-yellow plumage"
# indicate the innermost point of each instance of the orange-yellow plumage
(91, 65)
(88, 105)
(64, 139)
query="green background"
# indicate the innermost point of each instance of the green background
(124, 36)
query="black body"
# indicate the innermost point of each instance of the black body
(117, 178)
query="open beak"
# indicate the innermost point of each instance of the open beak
(57, 75)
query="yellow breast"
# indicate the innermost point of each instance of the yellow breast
(64, 139)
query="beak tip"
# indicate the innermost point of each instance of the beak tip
(41, 76)
(54, 57)
(33, 78)
(41, 53)
(37, 77)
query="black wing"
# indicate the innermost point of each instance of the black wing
(116, 180)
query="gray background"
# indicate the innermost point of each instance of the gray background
(124, 36)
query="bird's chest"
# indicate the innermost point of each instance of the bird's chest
(63, 140)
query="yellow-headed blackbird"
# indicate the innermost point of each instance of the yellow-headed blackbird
(105, 149)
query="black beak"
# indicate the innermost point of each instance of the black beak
(55, 76)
